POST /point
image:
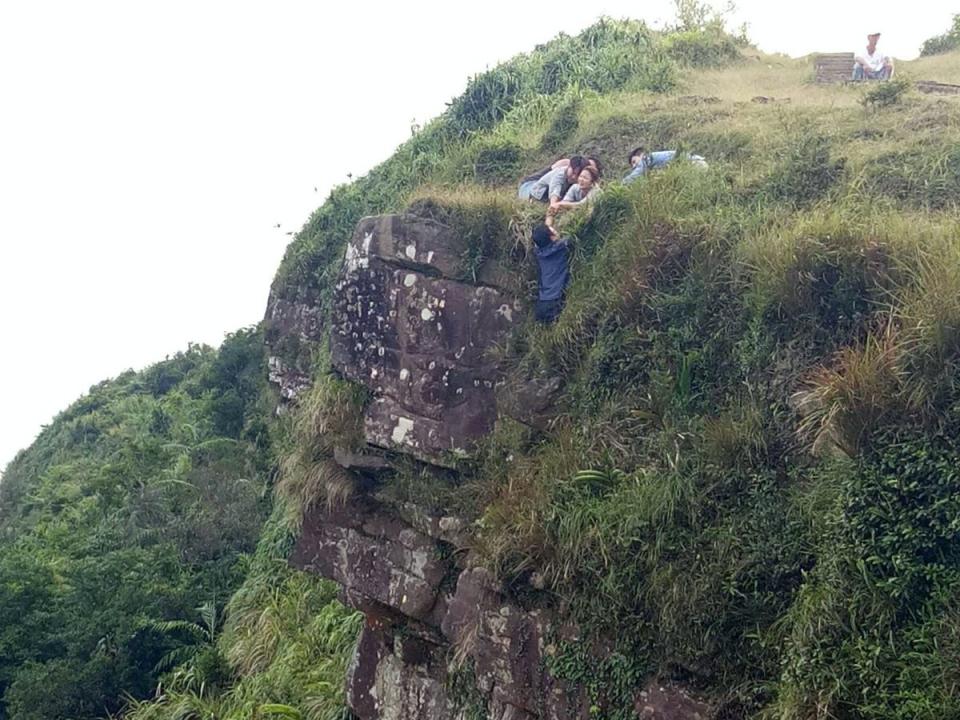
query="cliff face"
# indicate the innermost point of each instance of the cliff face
(441, 638)
(427, 616)
(418, 339)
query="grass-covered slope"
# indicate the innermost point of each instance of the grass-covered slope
(475, 139)
(762, 361)
(760, 364)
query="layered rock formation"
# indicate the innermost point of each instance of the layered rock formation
(294, 328)
(428, 618)
(441, 639)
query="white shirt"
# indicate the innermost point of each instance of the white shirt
(873, 61)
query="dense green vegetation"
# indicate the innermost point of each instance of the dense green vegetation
(950, 40)
(760, 366)
(136, 505)
(286, 644)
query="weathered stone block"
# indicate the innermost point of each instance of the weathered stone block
(413, 241)
(530, 400)
(419, 339)
(401, 682)
(374, 554)
(293, 327)
(504, 641)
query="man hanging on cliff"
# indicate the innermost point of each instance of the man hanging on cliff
(553, 257)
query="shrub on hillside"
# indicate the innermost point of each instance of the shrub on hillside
(921, 175)
(950, 40)
(930, 309)
(846, 401)
(874, 629)
(823, 271)
(886, 94)
(604, 57)
(566, 120)
(702, 48)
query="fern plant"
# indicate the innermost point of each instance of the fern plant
(199, 663)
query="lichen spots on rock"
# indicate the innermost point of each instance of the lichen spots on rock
(401, 430)
(411, 311)
(358, 255)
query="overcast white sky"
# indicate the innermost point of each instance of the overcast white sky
(148, 149)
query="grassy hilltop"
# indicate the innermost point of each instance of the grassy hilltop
(760, 362)
(760, 370)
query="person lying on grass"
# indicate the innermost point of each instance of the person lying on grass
(553, 184)
(527, 184)
(553, 259)
(642, 161)
(585, 189)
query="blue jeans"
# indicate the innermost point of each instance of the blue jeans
(547, 311)
(860, 74)
(523, 191)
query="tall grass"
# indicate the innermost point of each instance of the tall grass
(287, 639)
(329, 417)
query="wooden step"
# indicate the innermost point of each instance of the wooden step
(833, 67)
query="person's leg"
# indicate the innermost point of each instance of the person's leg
(523, 192)
(547, 311)
(857, 72)
(540, 311)
(555, 310)
(884, 74)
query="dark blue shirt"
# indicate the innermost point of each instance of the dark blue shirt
(554, 261)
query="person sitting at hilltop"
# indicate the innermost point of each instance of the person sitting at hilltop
(553, 184)
(553, 258)
(642, 161)
(872, 65)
